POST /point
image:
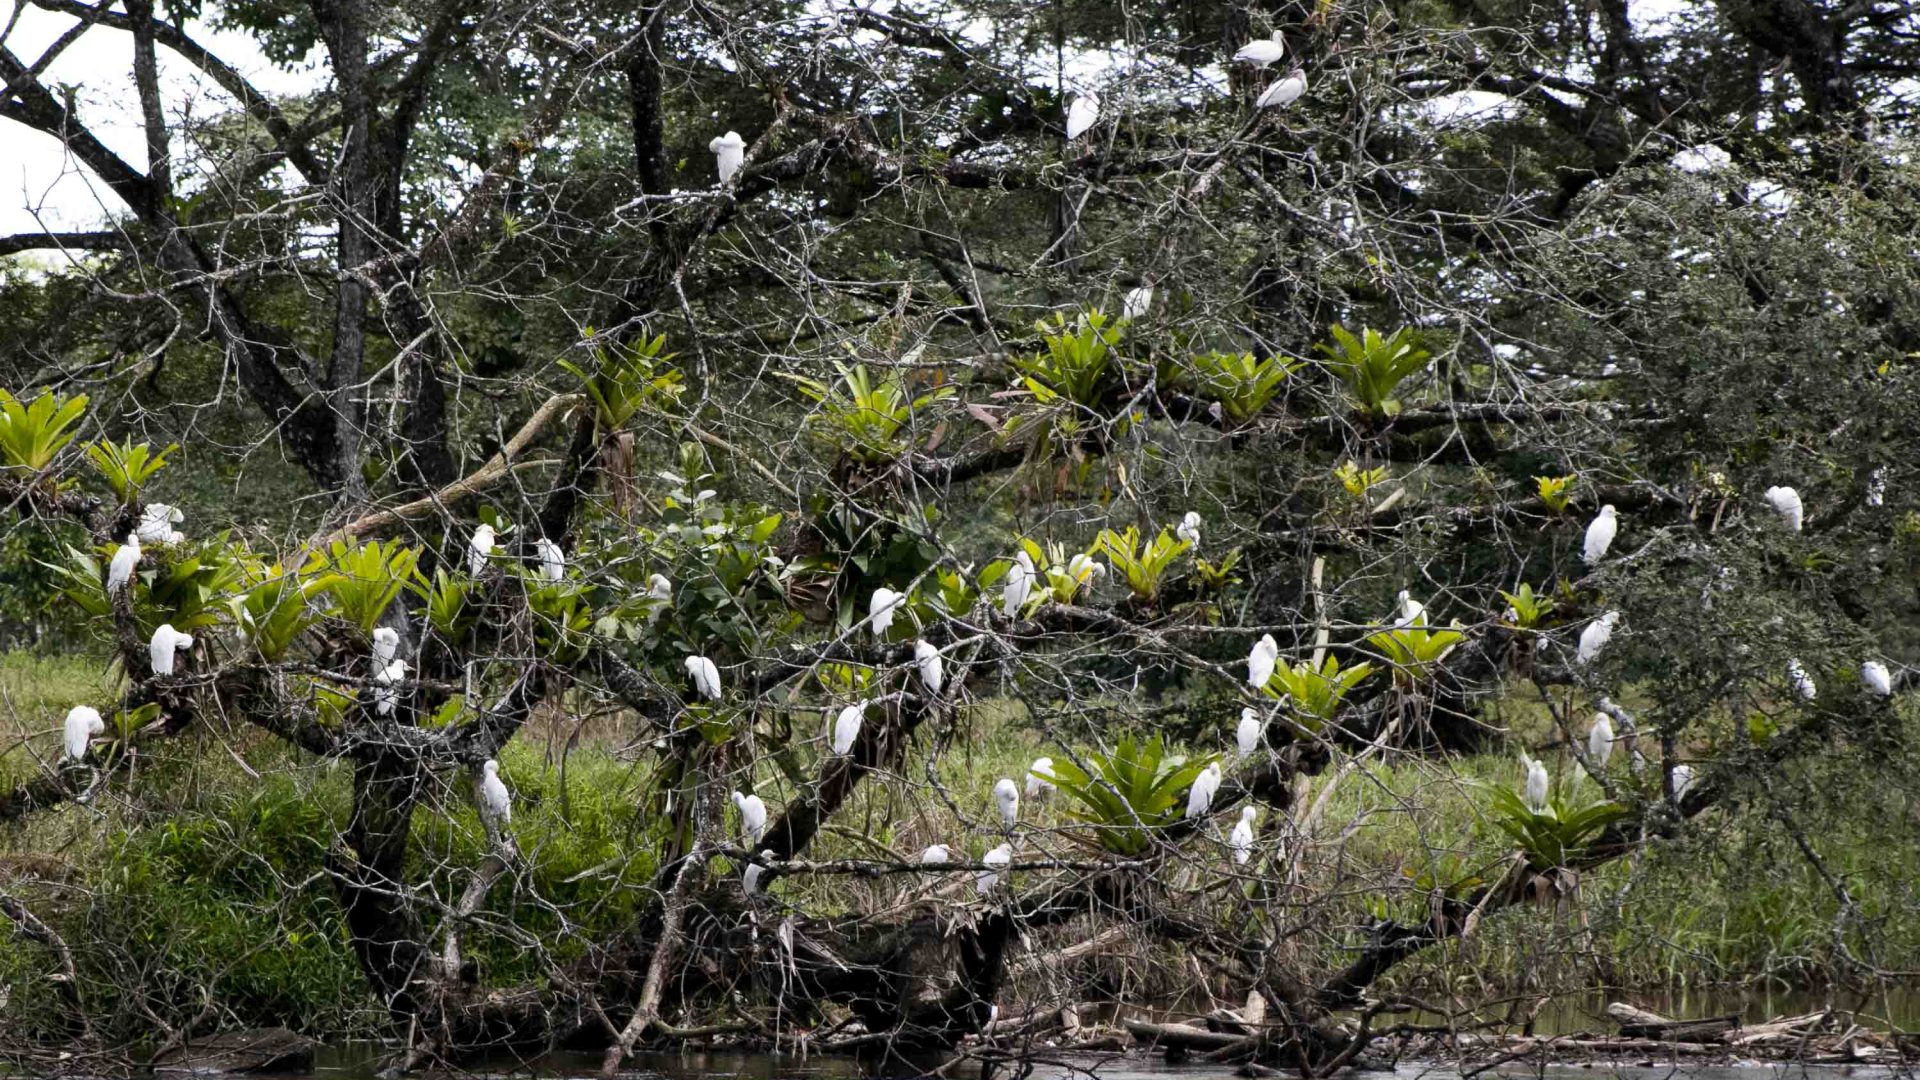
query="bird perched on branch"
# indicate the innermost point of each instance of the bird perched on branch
(1006, 795)
(846, 727)
(705, 676)
(753, 816)
(936, 855)
(1877, 678)
(1189, 528)
(1019, 583)
(82, 724)
(553, 562)
(1261, 51)
(881, 609)
(1600, 534)
(997, 860)
(1786, 503)
(1246, 737)
(1240, 840)
(1284, 92)
(1595, 637)
(495, 801)
(157, 523)
(1537, 782)
(1600, 740)
(384, 694)
(926, 659)
(750, 877)
(1039, 775)
(1682, 776)
(165, 642)
(1200, 795)
(728, 151)
(1261, 660)
(1082, 114)
(1137, 302)
(120, 569)
(480, 549)
(1802, 682)
(386, 645)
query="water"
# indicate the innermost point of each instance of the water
(1896, 1008)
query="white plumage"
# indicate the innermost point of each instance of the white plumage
(1200, 795)
(936, 855)
(1600, 740)
(157, 522)
(1084, 571)
(728, 151)
(386, 645)
(1019, 583)
(1284, 92)
(753, 815)
(846, 728)
(165, 642)
(480, 549)
(705, 676)
(881, 609)
(1600, 533)
(1247, 735)
(1038, 777)
(1412, 611)
(1006, 794)
(1682, 780)
(1082, 114)
(120, 570)
(659, 588)
(1595, 637)
(1241, 838)
(495, 801)
(1786, 502)
(1137, 302)
(553, 563)
(1877, 677)
(1802, 682)
(1261, 52)
(998, 859)
(82, 724)
(1189, 528)
(1260, 661)
(927, 660)
(750, 877)
(1536, 786)
(384, 695)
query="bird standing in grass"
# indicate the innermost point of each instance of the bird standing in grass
(1006, 795)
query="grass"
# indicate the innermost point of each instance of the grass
(203, 878)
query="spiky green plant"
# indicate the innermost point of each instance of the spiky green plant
(1143, 566)
(127, 466)
(368, 577)
(626, 378)
(1241, 384)
(1077, 362)
(32, 435)
(1556, 835)
(1373, 366)
(861, 417)
(1132, 792)
(1526, 608)
(1316, 692)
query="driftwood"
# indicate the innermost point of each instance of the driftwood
(1180, 1036)
(254, 1050)
(1637, 1023)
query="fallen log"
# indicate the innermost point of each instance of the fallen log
(1180, 1036)
(254, 1050)
(1638, 1023)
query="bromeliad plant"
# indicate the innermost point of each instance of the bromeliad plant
(367, 578)
(1373, 367)
(1559, 833)
(31, 436)
(1316, 693)
(1526, 608)
(1132, 792)
(1555, 491)
(1143, 566)
(1077, 362)
(127, 466)
(1414, 648)
(1241, 384)
(627, 378)
(862, 418)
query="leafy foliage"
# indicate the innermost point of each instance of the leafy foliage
(1132, 792)
(1077, 362)
(862, 418)
(1373, 367)
(1316, 693)
(32, 435)
(128, 466)
(626, 378)
(1557, 835)
(367, 578)
(1242, 385)
(1143, 567)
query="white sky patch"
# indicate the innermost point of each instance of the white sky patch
(1470, 108)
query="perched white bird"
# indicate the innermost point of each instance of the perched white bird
(1247, 735)
(728, 149)
(1802, 682)
(1682, 780)
(1411, 611)
(386, 645)
(1877, 677)
(1600, 534)
(705, 676)
(1200, 795)
(1082, 114)
(1600, 740)
(1261, 51)
(157, 523)
(750, 877)
(553, 564)
(936, 855)
(495, 802)
(480, 549)
(1786, 502)
(1019, 583)
(1084, 571)
(120, 570)
(1038, 774)
(166, 641)
(998, 859)
(384, 695)
(926, 659)
(82, 724)
(1877, 486)
(659, 588)
(1260, 661)
(846, 728)
(1595, 637)
(1189, 527)
(1006, 794)
(881, 609)
(1136, 304)
(753, 815)
(1536, 785)
(1284, 92)
(1241, 838)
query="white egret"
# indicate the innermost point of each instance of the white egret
(1019, 583)
(659, 588)
(386, 645)
(1241, 838)
(705, 676)
(1877, 677)
(157, 523)
(750, 877)
(1682, 780)
(1786, 502)
(82, 724)
(846, 728)
(1600, 740)
(495, 801)
(936, 855)
(728, 150)
(1260, 661)
(1247, 735)
(1084, 571)
(753, 815)
(1006, 794)
(1801, 681)
(120, 570)
(1189, 528)
(1284, 92)
(1412, 611)
(1038, 777)
(926, 658)
(1595, 637)
(1600, 533)
(1536, 785)
(553, 563)
(997, 860)
(165, 642)
(384, 695)
(480, 549)
(1138, 301)
(881, 609)
(1200, 795)
(1261, 51)
(1082, 114)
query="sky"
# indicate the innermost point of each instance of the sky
(40, 185)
